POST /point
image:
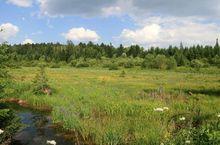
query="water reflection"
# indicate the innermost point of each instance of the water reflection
(36, 130)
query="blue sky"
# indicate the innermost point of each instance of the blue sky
(144, 22)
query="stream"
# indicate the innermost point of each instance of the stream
(36, 128)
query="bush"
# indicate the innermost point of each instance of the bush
(129, 64)
(216, 61)
(171, 63)
(92, 62)
(160, 62)
(148, 61)
(197, 64)
(82, 64)
(73, 63)
(113, 66)
(54, 65)
(9, 123)
(40, 85)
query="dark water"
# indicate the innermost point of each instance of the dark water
(37, 129)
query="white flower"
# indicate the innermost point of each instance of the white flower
(218, 115)
(165, 108)
(187, 142)
(1, 131)
(182, 118)
(52, 142)
(158, 109)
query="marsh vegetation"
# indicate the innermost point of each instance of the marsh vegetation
(154, 99)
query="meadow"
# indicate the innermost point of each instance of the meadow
(130, 106)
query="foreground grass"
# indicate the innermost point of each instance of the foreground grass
(108, 109)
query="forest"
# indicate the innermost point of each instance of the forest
(91, 54)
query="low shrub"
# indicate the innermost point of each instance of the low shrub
(113, 66)
(73, 63)
(54, 65)
(82, 64)
(9, 123)
(40, 83)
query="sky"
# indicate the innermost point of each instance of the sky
(143, 22)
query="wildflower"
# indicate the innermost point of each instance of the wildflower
(51, 142)
(187, 141)
(182, 118)
(218, 115)
(165, 108)
(1, 131)
(159, 109)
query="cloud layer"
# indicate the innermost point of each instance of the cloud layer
(172, 32)
(8, 30)
(158, 22)
(207, 8)
(81, 34)
(21, 3)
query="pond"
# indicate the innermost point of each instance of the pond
(37, 128)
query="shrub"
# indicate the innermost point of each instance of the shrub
(216, 61)
(92, 62)
(171, 63)
(82, 64)
(9, 123)
(40, 83)
(73, 63)
(148, 61)
(54, 65)
(160, 62)
(129, 64)
(197, 64)
(113, 66)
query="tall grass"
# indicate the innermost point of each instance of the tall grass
(104, 108)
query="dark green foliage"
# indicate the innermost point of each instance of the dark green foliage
(197, 64)
(171, 63)
(148, 61)
(73, 63)
(4, 77)
(82, 64)
(40, 83)
(67, 53)
(9, 123)
(160, 62)
(54, 65)
(113, 66)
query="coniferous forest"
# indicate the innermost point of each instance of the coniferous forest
(91, 54)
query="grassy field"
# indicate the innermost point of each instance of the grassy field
(106, 108)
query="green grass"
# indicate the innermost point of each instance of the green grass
(108, 109)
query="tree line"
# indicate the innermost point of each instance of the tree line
(56, 52)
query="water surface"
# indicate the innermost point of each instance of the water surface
(37, 129)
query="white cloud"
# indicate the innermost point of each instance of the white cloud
(21, 3)
(8, 30)
(81, 34)
(140, 36)
(28, 41)
(164, 33)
